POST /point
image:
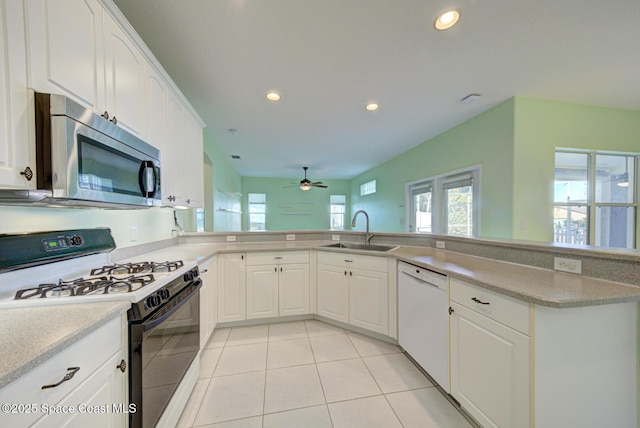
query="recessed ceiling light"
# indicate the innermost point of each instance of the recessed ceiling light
(273, 96)
(447, 19)
(372, 107)
(233, 131)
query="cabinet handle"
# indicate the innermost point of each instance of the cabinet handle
(475, 299)
(345, 273)
(280, 269)
(68, 376)
(28, 173)
(350, 273)
(114, 120)
(450, 310)
(275, 269)
(242, 257)
(348, 261)
(188, 201)
(105, 115)
(122, 366)
(278, 257)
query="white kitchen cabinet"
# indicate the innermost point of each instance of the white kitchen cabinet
(333, 292)
(208, 300)
(182, 174)
(155, 109)
(490, 363)
(231, 287)
(277, 284)
(516, 364)
(66, 50)
(354, 289)
(124, 79)
(98, 381)
(16, 131)
(77, 49)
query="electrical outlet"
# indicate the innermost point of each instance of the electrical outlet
(134, 233)
(567, 265)
(335, 237)
(440, 244)
(291, 237)
(231, 238)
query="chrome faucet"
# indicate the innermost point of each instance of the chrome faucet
(368, 236)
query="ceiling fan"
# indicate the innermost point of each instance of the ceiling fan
(306, 184)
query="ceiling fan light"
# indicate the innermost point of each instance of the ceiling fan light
(372, 107)
(305, 187)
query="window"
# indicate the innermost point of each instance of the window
(257, 211)
(199, 219)
(368, 188)
(447, 203)
(421, 207)
(337, 210)
(595, 198)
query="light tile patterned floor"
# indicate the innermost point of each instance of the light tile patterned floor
(311, 374)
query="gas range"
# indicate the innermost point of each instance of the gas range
(64, 267)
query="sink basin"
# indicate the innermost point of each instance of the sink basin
(370, 247)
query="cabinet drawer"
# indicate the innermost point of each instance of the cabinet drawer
(280, 257)
(89, 353)
(356, 261)
(504, 309)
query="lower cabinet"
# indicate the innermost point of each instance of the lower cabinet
(489, 369)
(354, 289)
(277, 284)
(231, 287)
(96, 391)
(208, 300)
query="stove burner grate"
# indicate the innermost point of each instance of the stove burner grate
(85, 286)
(139, 267)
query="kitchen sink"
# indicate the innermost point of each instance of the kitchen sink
(369, 247)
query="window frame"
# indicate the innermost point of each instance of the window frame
(263, 212)
(439, 208)
(343, 214)
(592, 205)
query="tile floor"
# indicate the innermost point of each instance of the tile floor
(311, 374)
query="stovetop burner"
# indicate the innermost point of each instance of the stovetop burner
(86, 286)
(139, 267)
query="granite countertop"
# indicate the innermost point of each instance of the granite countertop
(32, 335)
(535, 285)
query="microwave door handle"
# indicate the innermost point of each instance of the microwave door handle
(143, 175)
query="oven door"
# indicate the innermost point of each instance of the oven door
(162, 348)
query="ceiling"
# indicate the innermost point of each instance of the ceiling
(329, 58)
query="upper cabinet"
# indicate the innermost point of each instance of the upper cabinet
(17, 156)
(86, 50)
(124, 79)
(66, 49)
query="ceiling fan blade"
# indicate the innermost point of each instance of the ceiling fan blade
(317, 182)
(319, 185)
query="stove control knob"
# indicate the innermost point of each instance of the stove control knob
(163, 293)
(76, 240)
(152, 301)
(188, 276)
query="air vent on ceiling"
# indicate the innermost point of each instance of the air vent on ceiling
(235, 156)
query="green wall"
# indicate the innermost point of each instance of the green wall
(485, 140)
(282, 199)
(226, 188)
(542, 126)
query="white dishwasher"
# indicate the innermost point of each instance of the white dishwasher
(423, 319)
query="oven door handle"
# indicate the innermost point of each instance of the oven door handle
(148, 325)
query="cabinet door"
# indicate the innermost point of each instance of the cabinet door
(369, 300)
(231, 287)
(489, 369)
(293, 291)
(208, 302)
(194, 161)
(262, 291)
(124, 68)
(16, 151)
(333, 292)
(98, 402)
(155, 109)
(66, 49)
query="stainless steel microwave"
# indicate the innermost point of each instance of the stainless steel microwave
(84, 160)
